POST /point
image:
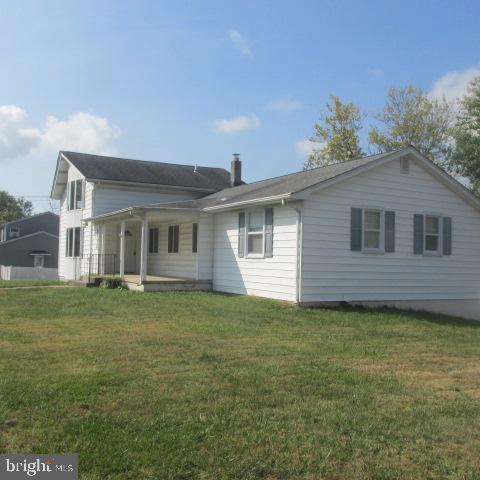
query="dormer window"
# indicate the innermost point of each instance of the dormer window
(75, 195)
(14, 232)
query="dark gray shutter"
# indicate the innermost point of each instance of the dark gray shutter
(389, 232)
(241, 234)
(269, 232)
(447, 236)
(418, 234)
(170, 239)
(356, 230)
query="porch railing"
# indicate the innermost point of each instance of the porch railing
(99, 264)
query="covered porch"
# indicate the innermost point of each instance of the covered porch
(153, 249)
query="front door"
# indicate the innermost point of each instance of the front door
(131, 250)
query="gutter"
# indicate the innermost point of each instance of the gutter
(255, 201)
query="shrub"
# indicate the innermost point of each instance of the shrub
(111, 283)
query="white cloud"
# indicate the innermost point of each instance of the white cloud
(16, 140)
(240, 42)
(453, 85)
(80, 131)
(284, 105)
(236, 124)
(305, 147)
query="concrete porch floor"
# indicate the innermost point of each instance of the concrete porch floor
(158, 283)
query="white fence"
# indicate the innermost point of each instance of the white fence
(28, 273)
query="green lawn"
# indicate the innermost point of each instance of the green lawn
(206, 386)
(28, 283)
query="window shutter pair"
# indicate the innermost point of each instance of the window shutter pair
(418, 235)
(356, 230)
(268, 233)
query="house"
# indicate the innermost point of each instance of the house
(388, 229)
(30, 241)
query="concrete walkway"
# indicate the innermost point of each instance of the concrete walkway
(36, 286)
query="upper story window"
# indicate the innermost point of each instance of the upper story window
(2, 234)
(75, 195)
(14, 232)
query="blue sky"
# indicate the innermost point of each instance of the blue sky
(194, 82)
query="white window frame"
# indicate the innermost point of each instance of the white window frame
(71, 246)
(247, 233)
(42, 261)
(381, 232)
(73, 207)
(168, 241)
(438, 252)
(14, 232)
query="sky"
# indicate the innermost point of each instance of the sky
(193, 82)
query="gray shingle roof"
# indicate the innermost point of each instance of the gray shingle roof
(100, 167)
(273, 187)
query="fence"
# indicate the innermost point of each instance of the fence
(99, 264)
(27, 273)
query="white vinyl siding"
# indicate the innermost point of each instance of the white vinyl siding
(180, 265)
(332, 272)
(205, 247)
(266, 277)
(110, 199)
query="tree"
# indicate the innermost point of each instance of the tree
(410, 117)
(466, 133)
(336, 134)
(12, 208)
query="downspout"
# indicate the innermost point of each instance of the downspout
(299, 225)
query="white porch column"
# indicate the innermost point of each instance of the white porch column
(122, 249)
(144, 250)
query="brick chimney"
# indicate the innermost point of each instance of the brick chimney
(236, 171)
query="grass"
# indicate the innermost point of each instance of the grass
(207, 386)
(28, 283)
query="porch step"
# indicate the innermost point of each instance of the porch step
(170, 286)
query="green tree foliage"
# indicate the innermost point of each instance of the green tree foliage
(12, 208)
(466, 133)
(410, 117)
(337, 134)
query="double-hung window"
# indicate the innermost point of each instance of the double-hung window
(72, 242)
(75, 195)
(432, 239)
(432, 234)
(173, 238)
(255, 233)
(372, 230)
(153, 240)
(14, 232)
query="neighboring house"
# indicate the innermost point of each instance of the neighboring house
(30, 241)
(385, 229)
